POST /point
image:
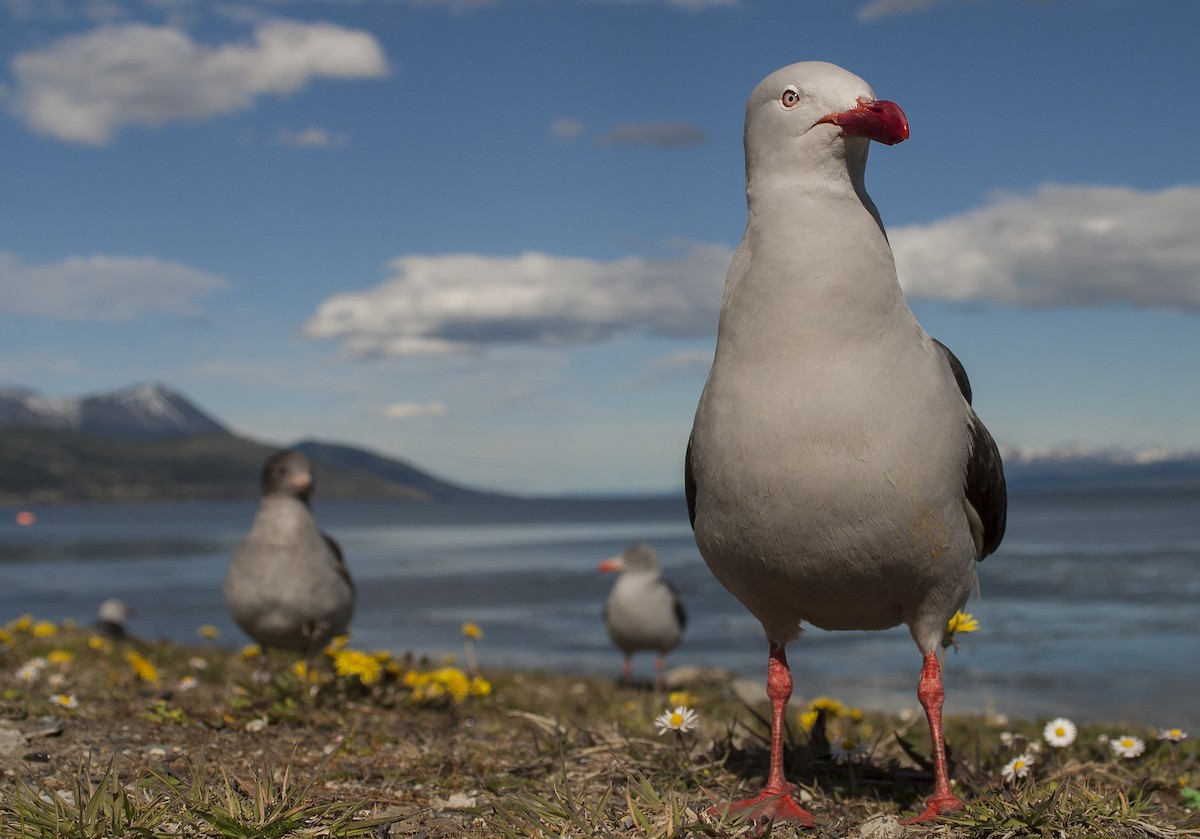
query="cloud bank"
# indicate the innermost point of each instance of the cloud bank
(877, 9)
(102, 288)
(85, 88)
(1074, 246)
(664, 135)
(1068, 246)
(457, 303)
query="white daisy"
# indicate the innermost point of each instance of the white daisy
(1059, 732)
(681, 719)
(187, 683)
(847, 750)
(1018, 767)
(31, 669)
(65, 700)
(1127, 746)
(1007, 738)
(1175, 735)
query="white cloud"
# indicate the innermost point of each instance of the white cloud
(102, 288)
(313, 137)
(877, 9)
(1061, 246)
(665, 135)
(566, 128)
(454, 303)
(414, 410)
(84, 88)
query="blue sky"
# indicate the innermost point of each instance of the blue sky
(489, 237)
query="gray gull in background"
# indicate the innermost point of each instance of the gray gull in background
(642, 611)
(287, 584)
(111, 617)
(836, 473)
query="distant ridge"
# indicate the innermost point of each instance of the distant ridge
(141, 412)
(148, 442)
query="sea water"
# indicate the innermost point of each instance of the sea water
(1091, 607)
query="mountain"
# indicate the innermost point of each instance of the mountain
(141, 412)
(50, 466)
(148, 442)
(1073, 467)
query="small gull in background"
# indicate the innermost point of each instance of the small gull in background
(642, 610)
(287, 584)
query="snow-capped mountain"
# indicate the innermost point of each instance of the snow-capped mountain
(144, 411)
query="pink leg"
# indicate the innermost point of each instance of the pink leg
(774, 802)
(660, 674)
(931, 693)
(627, 671)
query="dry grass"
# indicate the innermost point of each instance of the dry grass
(541, 755)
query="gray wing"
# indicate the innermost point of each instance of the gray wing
(342, 569)
(986, 489)
(680, 612)
(689, 483)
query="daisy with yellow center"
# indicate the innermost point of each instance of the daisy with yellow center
(681, 719)
(363, 666)
(1018, 767)
(187, 683)
(1127, 746)
(64, 700)
(847, 750)
(31, 670)
(1174, 735)
(1059, 732)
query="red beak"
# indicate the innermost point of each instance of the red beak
(878, 120)
(611, 564)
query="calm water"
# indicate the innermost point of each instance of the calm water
(1091, 608)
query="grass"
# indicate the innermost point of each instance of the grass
(115, 739)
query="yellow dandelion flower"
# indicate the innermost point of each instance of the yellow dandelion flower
(60, 657)
(455, 681)
(6, 638)
(251, 651)
(962, 622)
(208, 631)
(356, 663)
(829, 705)
(21, 624)
(855, 714)
(472, 631)
(99, 643)
(145, 671)
(44, 629)
(480, 686)
(338, 642)
(807, 720)
(681, 697)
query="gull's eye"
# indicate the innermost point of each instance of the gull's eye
(789, 98)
